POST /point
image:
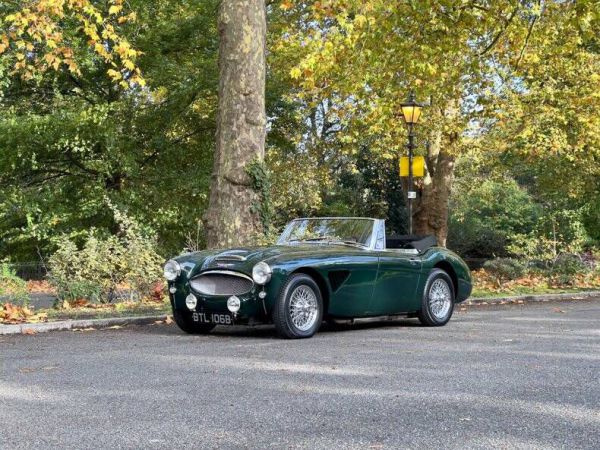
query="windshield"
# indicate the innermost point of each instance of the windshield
(353, 231)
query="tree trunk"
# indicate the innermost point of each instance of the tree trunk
(232, 218)
(430, 215)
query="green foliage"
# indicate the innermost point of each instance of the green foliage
(532, 247)
(105, 264)
(13, 287)
(528, 128)
(261, 184)
(67, 140)
(486, 215)
(566, 266)
(504, 269)
(591, 217)
(297, 185)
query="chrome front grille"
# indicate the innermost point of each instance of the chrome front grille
(221, 282)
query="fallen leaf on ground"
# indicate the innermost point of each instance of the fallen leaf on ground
(115, 327)
(168, 320)
(557, 310)
(12, 314)
(40, 287)
(28, 331)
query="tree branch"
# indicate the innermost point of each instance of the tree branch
(501, 32)
(529, 31)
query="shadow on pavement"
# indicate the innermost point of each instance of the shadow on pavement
(268, 331)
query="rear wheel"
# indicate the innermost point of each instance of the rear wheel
(298, 312)
(185, 322)
(437, 304)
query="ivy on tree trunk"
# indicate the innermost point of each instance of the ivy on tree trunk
(231, 219)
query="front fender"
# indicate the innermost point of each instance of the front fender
(439, 257)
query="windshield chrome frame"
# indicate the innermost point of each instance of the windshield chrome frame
(370, 245)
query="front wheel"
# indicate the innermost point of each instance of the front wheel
(437, 304)
(298, 312)
(185, 322)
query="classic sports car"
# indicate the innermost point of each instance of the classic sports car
(320, 268)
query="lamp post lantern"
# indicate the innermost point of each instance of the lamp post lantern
(411, 113)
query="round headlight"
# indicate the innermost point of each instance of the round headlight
(261, 273)
(191, 301)
(233, 304)
(172, 270)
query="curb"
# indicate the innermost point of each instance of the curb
(530, 298)
(27, 328)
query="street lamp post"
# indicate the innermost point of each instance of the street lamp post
(411, 112)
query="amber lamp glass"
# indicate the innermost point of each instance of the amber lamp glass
(411, 110)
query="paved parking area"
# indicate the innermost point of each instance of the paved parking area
(507, 377)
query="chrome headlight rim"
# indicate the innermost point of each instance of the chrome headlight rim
(234, 304)
(191, 301)
(261, 273)
(171, 270)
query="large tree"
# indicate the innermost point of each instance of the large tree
(233, 215)
(71, 139)
(365, 56)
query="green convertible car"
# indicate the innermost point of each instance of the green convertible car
(338, 268)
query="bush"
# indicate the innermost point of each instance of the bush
(485, 215)
(103, 265)
(13, 287)
(566, 267)
(504, 269)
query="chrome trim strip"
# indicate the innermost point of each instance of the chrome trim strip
(230, 258)
(401, 251)
(224, 272)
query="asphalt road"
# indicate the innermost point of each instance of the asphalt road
(506, 377)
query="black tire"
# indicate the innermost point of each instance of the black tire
(185, 322)
(282, 317)
(427, 314)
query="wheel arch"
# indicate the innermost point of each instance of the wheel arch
(320, 280)
(447, 267)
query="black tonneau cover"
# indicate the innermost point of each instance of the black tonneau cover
(417, 242)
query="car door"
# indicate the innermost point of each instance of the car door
(397, 281)
(352, 280)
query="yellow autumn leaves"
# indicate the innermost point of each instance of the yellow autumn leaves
(33, 39)
(13, 314)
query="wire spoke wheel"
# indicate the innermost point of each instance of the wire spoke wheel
(440, 299)
(303, 307)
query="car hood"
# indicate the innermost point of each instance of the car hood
(243, 259)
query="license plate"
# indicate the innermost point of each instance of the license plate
(217, 319)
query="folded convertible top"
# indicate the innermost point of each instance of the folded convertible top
(417, 242)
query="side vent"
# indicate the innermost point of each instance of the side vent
(337, 278)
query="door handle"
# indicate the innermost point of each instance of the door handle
(414, 261)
